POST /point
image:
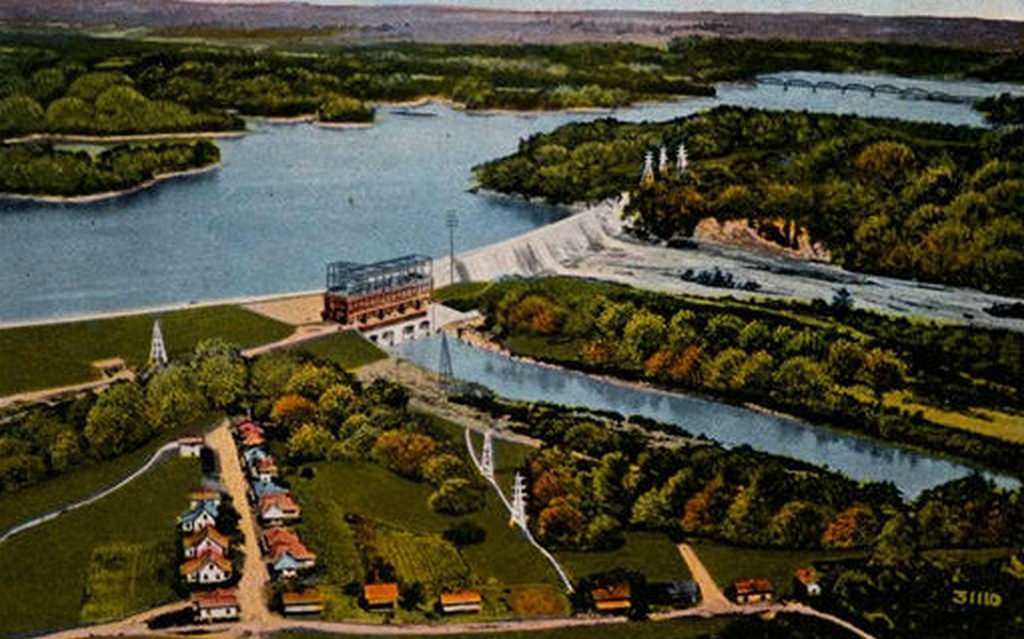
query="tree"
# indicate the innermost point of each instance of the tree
(717, 373)
(271, 372)
(18, 466)
(643, 334)
(309, 442)
(117, 421)
(387, 393)
(291, 411)
(651, 510)
(845, 359)
(20, 114)
(440, 468)
(756, 335)
(855, 527)
(802, 378)
(606, 483)
(534, 314)
(754, 374)
(681, 333)
(883, 370)
(560, 523)
(173, 398)
(336, 404)
(403, 452)
(896, 544)
(65, 451)
(220, 372)
(722, 331)
(613, 319)
(604, 533)
(311, 381)
(457, 496)
(798, 524)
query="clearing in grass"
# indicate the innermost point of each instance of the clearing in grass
(50, 355)
(124, 578)
(650, 553)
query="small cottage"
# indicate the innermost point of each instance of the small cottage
(260, 489)
(253, 455)
(202, 516)
(277, 509)
(190, 446)
(381, 596)
(206, 541)
(682, 593)
(747, 591)
(207, 569)
(215, 605)
(201, 496)
(613, 598)
(303, 602)
(288, 557)
(805, 583)
(264, 470)
(461, 601)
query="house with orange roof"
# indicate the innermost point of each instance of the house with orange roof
(207, 540)
(216, 605)
(252, 439)
(207, 569)
(612, 598)
(381, 596)
(277, 509)
(805, 582)
(264, 470)
(303, 602)
(461, 601)
(756, 590)
(289, 558)
(279, 534)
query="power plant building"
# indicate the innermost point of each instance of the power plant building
(387, 301)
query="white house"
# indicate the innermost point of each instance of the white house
(202, 516)
(207, 569)
(190, 446)
(206, 541)
(216, 605)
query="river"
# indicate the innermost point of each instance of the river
(290, 197)
(858, 457)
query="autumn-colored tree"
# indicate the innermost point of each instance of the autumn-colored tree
(547, 486)
(696, 511)
(291, 411)
(598, 352)
(854, 527)
(560, 523)
(535, 314)
(403, 452)
(685, 369)
(658, 363)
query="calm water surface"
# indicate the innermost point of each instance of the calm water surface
(858, 457)
(289, 198)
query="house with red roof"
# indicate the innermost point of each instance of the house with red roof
(216, 605)
(275, 510)
(207, 569)
(207, 540)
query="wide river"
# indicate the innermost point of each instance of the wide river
(858, 457)
(289, 198)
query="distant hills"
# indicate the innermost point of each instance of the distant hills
(365, 24)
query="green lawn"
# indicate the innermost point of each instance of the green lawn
(728, 563)
(82, 481)
(50, 355)
(349, 349)
(378, 494)
(677, 629)
(43, 571)
(652, 554)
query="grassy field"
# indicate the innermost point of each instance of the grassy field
(44, 571)
(728, 563)
(427, 559)
(652, 554)
(82, 481)
(993, 423)
(61, 354)
(349, 349)
(380, 495)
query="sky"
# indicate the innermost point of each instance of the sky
(1001, 9)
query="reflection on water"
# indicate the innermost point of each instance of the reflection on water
(289, 198)
(858, 457)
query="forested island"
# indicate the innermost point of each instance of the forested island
(909, 382)
(39, 169)
(926, 201)
(60, 83)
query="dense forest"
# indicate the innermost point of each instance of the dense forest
(887, 377)
(65, 83)
(41, 169)
(933, 202)
(1003, 109)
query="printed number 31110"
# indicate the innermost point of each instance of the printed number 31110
(976, 598)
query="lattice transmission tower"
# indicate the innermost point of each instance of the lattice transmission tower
(157, 349)
(487, 456)
(519, 502)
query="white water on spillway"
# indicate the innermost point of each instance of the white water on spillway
(857, 457)
(289, 198)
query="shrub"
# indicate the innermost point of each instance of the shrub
(465, 533)
(403, 452)
(457, 497)
(309, 443)
(439, 468)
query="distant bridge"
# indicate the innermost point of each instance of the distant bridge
(907, 93)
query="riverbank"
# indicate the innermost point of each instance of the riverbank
(70, 138)
(108, 195)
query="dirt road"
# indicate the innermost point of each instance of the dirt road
(712, 597)
(251, 595)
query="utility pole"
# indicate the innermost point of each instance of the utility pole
(157, 349)
(452, 222)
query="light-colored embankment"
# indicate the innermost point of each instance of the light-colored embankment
(547, 250)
